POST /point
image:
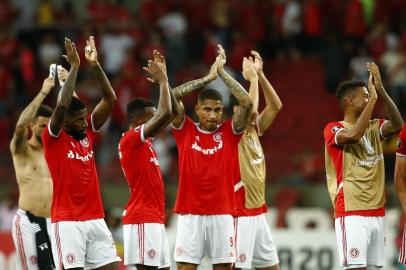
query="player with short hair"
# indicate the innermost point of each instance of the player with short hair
(81, 235)
(254, 246)
(355, 171)
(145, 242)
(400, 184)
(31, 225)
(208, 167)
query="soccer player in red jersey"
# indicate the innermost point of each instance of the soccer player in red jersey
(400, 184)
(355, 171)
(208, 166)
(81, 235)
(145, 242)
(254, 242)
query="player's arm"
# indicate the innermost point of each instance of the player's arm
(103, 109)
(62, 76)
(19, 140)
(180, 91)
(164, 110)
(58, 117)
(243, 112)
(249, 73)
(354, 134)
(395, 123)
(400, 180)
(273, 103)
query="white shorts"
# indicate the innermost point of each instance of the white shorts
(361, 241)
(23, 232)
(402, 251)
(87, 244)
(146, 244)
(254, 243)
(198, 236)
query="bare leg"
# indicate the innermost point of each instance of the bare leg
(146, 267)
(186, 266)
(110, 266)
(222, 266)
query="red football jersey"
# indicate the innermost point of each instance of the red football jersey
(401, 145)
(76, 194)
(336, 154)
(208, 169)
(141, 169)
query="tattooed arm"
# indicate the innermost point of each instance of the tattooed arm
(19, 141)
(395, 123)
(243, 112)
(103, 108)
(57, 120)
(178, 114)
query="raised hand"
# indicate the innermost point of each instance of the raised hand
(371, 88)
(47, 85)
(156, 72)
(62, 73)
(222, 55)
(258, 63)
(377, 80)
(91, 52)
(248, 69)
(71, 55)
(213, 69)
(160, 60)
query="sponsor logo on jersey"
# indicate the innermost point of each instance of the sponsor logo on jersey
(398, 143)
(242, 258)
(370, 162)
(335, 129)
(75, 155)
(210, 151)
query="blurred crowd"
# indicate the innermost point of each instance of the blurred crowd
(342, 34)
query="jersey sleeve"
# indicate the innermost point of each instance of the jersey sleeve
(179, 132)
(47, 137)
(401, 143)
(136, 136)
(235, 137)
(330, 133)
(381, 123)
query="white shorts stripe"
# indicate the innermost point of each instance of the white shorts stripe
(21, 244)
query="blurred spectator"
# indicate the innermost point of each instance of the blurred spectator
(292, 26)
(358, 64)
(394, 66)
(26, 12)
(113, 47)
(173, 26)
(8, 209)
(49, 51)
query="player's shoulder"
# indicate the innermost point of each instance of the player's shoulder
(333, 126)
(402, 134)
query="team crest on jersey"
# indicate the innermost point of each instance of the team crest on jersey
(354, 252)
(70, 258)
(399, 143)
(217, 136)
(335, 129)
(242, 258)
(84, 142)
(34, 259)
(179, 251)
(152, 253)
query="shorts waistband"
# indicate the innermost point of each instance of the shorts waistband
(21, 212)
(24, 213)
